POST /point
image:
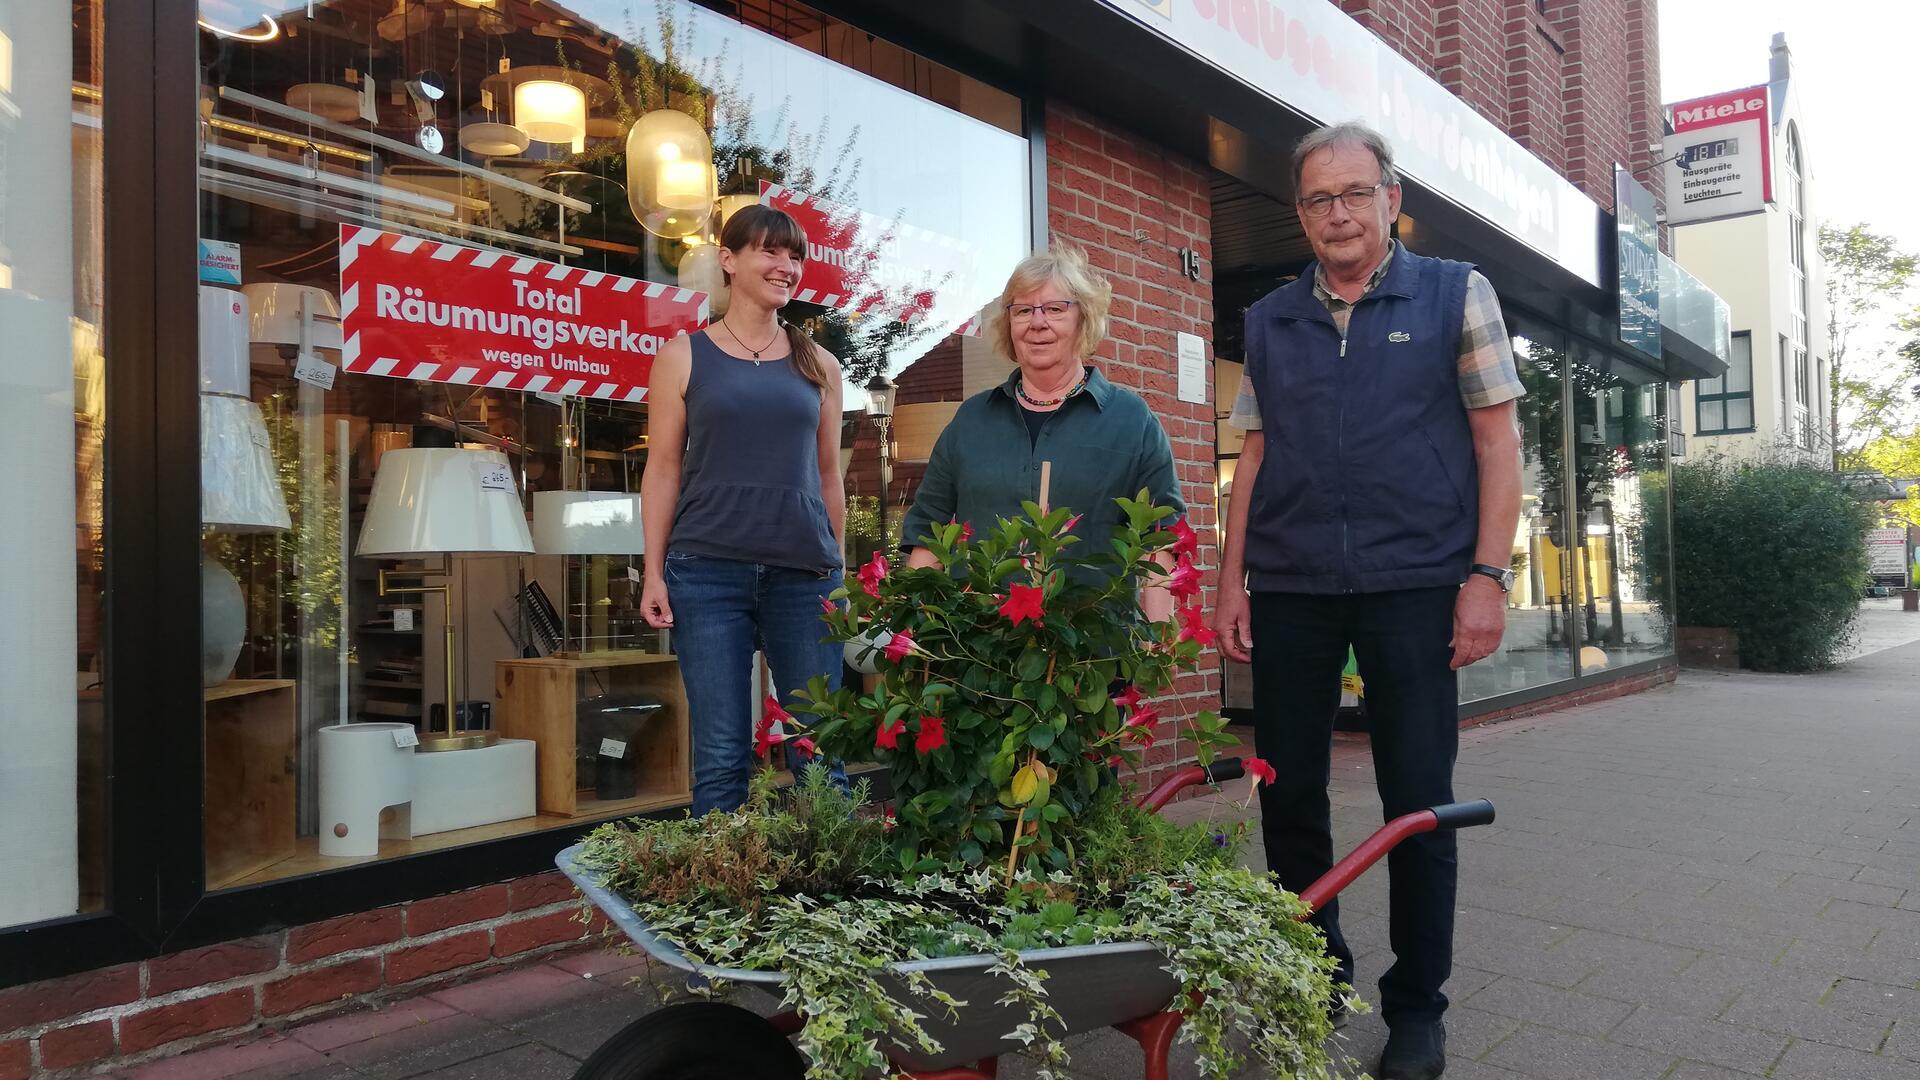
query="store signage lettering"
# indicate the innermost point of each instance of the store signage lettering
(423, 309)
(1639, 258)
(1719, 162)
(1314, 58)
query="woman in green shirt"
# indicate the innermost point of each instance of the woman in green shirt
(1104, 443)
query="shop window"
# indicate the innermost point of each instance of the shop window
(478, 153)
(1538, 646)
(1620, 591)
(1724, 404)
(53, 777)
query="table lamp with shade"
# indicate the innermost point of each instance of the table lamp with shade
(586, 523)
(443, 501)
(302, 317)
(239, 486)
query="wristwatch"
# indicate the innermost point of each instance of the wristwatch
(1499, 574)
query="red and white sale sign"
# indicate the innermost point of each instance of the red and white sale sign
(424, 309)
(857, 261)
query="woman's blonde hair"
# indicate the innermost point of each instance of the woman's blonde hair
(1066, 266)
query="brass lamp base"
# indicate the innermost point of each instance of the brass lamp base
(459, 740)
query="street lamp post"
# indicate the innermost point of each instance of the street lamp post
(880, 393)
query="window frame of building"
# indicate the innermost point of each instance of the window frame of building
(1704, 396)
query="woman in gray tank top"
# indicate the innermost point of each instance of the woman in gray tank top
(744, 444)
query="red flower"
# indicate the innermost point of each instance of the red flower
(886, 819)
(1259, 770)
(1193, 626)
(1068, 527)
(771, 731)
(804, 747)
(899, 647)
(1116, 761)
(1128, 698)
(872, 573)
(933, 734)
(1185, 540)
(1185, 580)
(887, 737)
(827, 606)
(1144, 716)
(1023, 602)
(966, 529)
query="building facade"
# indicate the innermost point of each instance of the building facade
(1776, 396)
(223, 823)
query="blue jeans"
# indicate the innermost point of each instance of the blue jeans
(723, 610)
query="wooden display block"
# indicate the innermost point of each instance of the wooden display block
(536, 700)
(250, 774)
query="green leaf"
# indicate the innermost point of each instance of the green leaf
(1040, 737)
(1032, 664)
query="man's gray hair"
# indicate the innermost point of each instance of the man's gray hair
(1351, 133)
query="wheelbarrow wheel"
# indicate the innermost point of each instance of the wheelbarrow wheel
(701, 1040)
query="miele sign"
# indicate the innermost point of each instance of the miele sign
(1310, 56)
(1719, 158)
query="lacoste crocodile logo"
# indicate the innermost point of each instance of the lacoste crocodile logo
(1399, 337)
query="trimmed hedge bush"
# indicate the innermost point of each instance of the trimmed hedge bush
(1773, 550)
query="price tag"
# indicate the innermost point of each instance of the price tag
(315, 372)
(495, 477)
(404, 737)
(633, 574)
(258, 436)
(613, 748)
(403, 618)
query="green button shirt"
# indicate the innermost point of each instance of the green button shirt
(1104, 444)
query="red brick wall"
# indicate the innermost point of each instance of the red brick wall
(155, 1008)
(1534, 58)
(1470, 54)
(1407, 25)
(1595, 93)
(1132, 206)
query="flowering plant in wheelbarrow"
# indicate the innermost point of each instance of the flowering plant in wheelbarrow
(1014, 686)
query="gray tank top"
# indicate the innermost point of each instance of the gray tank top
(750, 480)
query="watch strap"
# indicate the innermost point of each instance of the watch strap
(1503, 577)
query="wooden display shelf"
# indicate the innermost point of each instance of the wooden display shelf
(537, 700)
(250, 767)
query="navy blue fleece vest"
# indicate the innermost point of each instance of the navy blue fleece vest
(1369, 482)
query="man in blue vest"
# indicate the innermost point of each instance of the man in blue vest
(1381, 384)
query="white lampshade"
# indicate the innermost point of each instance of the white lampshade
(274, 314)
(238, 489)
(431, 500)
(587, 523)
(223, 342)
(490, 139)
(549, 111)
(733, 204)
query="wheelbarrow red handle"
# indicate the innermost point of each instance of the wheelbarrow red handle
(1459, 815)
(1219, 772)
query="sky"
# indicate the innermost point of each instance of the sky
(1853, 68)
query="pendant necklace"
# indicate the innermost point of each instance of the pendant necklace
(1044, 403)
(756, 352)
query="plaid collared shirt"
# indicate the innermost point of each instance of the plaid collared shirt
(1487, 372)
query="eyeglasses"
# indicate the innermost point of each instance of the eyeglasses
(1355, 200)
(1052, 311)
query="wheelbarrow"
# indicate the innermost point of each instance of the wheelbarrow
(1122, 985)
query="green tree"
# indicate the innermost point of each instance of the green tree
(1865, 270)
(1897, 457)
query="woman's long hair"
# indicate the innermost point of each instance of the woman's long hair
(760, 225)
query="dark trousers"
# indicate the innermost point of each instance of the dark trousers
(1401, 642)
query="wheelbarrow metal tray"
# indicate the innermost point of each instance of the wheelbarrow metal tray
(1091, 986)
